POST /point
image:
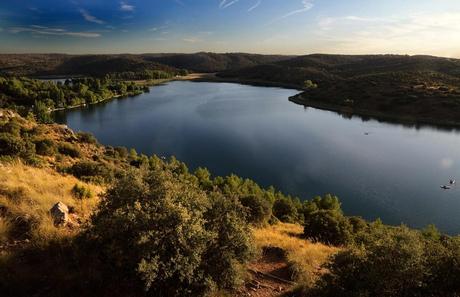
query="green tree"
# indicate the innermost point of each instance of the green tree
(308, 84)
(168, 235)
(329, 227)
(285, 210)
(388, 263)
(258, 209)
(42, 112)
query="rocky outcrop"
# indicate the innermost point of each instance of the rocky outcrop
(60, 214)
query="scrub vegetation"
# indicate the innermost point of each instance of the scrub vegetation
(144, 226)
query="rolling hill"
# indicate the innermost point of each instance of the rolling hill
(415, 89)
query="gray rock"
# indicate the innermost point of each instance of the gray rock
(60, 214)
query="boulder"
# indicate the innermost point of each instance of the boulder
(60, 214)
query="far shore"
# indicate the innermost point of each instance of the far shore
(298, 99)
(350, 111)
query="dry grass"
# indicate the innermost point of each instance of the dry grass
(305, 258)
(28, 193)
(5, 228)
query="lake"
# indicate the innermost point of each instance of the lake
(377, 169)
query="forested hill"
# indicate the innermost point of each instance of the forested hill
(212, 62)
(415, 89)
(97, 65)
(93, 65)
(326, 68)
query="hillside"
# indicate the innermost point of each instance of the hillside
(212, 62)
(43, 164)
(145, 226)
(416, 89)
(100, 65)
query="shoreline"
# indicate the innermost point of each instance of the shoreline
(297, 99)
(151, 83)
(212, 77)
(379, 116)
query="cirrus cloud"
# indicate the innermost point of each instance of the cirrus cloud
(90, 18)
(41, 30)
(126, 7)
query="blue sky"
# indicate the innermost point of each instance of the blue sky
(258, 26)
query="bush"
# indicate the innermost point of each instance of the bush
(166, 237)
(69, 149)
(92, 171)
(258, 209)
(45, 147)
(285, 210)
(81, 192)
(42, 112)
(389, 263)
(11, 145)
(329, 227)
(122, 152)
(86, 137)
(12, 127)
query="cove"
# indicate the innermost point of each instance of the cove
(378, 170)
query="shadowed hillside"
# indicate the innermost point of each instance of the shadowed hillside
(419, 89)
(212, 62)
(58, 64)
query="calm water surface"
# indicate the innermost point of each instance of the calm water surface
(393, 173)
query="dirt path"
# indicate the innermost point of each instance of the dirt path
(269, 276)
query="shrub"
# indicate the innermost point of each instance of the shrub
(81, 192)
(11, 145)
(91, 171)
(285, 210)
(12, 127)
(122, 152)
(42, 112)
(358, 224)
(328, 202)
(69, 149)
(443, 267)
(390, 263)
(258, 209)
(86, 137)
(45, 147)
(329, 227)
(166, 237)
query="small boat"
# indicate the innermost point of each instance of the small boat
(366, 133)
(452, 181)
(444, 187)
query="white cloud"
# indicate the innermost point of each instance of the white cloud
(257, 4)
(90, 18)
(126, 7)
(227, 3)
(307, 5)
(422, 33)
(40, 30)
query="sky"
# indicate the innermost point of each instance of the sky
(429, 27)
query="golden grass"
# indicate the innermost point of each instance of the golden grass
(304, 257)
(5, 228)
(29, 192)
